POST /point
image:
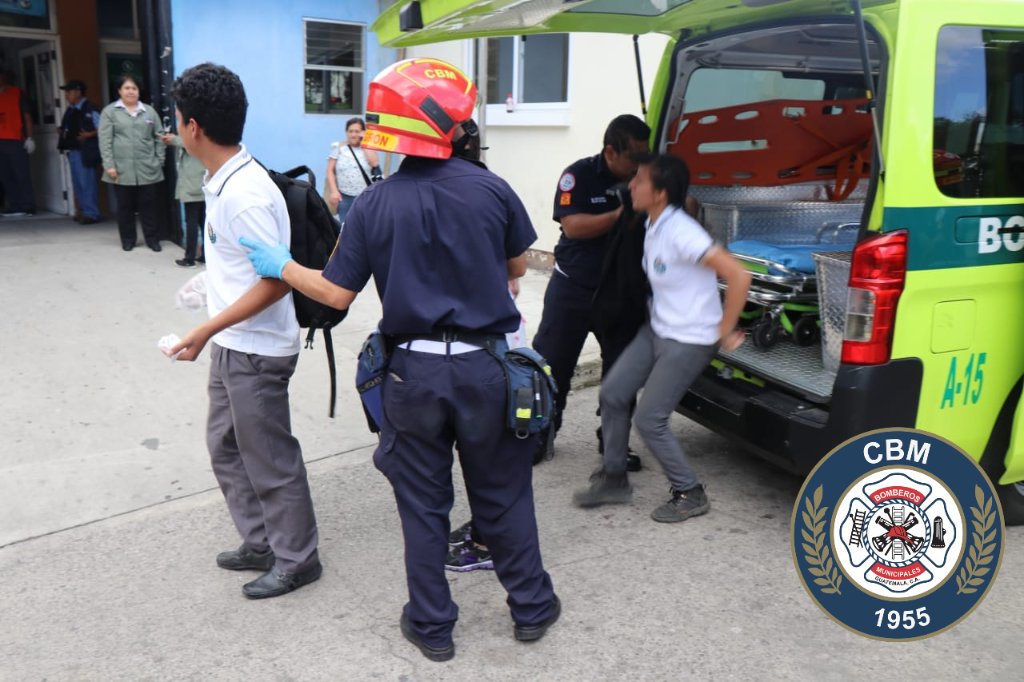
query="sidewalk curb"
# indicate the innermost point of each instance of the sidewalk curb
(588, 373)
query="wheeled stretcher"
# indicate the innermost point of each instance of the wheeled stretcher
(783, 297)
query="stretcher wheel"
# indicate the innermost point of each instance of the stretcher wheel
(765, 333)
(806, 331)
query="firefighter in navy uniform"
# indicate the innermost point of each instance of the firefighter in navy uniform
(441, 238)
(587, 209)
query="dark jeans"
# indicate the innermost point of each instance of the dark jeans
(344, 205)
(16, 177)
(141, 199)
(83, 179)
(195, 218)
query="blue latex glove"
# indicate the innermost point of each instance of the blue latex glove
(269, 260)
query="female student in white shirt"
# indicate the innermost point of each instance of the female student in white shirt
(687, 324)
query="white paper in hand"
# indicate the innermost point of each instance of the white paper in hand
(166, 343)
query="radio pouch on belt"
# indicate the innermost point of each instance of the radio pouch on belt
(531, 391)
(373, 363)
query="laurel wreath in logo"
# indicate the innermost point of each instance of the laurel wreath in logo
(983, 545)
(826, 574)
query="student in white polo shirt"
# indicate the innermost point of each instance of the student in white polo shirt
(256, 459)
(687, 324)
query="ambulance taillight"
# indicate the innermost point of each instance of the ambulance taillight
(877, 276)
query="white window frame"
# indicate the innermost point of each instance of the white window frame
(552, 114)
(306, 66)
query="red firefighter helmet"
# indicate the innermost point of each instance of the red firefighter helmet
(414, 107)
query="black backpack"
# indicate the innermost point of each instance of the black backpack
(314, 235)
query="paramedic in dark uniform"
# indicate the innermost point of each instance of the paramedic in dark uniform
(587, 211)
(441, 238)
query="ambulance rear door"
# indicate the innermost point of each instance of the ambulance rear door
(430, 21)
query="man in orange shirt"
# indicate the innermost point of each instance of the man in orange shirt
(15, 145)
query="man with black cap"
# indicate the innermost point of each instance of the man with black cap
(79, 138)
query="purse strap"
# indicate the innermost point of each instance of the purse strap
(365, 176)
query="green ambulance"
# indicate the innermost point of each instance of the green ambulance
(885, 136)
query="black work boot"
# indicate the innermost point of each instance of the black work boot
(605, 488)
(683, 505)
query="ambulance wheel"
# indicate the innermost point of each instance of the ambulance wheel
(805, 331)
(1012, 498)
(765, 333)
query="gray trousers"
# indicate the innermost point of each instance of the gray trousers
(664, 369)
(256, 459)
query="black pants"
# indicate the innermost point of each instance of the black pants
(141, 199)
(564, 326)
(15, 176)
(195, 217)
(432, 402)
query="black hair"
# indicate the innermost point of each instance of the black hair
(670, 175)
(623, 130)
(212, 95)
(355, 119)
(124, 78)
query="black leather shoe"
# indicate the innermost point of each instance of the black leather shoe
(531, 633)
(244, 559)
(276, 582)
(127, 246)
(433, 653)
(155, 246)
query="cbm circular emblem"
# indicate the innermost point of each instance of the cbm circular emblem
(897, 534)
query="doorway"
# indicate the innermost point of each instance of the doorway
(33, 64)
(38, 65)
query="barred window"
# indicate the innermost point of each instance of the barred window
(335, 62)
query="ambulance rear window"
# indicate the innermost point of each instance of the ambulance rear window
(716, 88)
(978, 140)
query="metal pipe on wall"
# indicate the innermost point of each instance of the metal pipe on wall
(157, 54)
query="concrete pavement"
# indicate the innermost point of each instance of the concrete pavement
(90, 404)
(109, 522)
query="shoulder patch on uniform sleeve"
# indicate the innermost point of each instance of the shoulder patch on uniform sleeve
(565, 199)
(567, 182)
